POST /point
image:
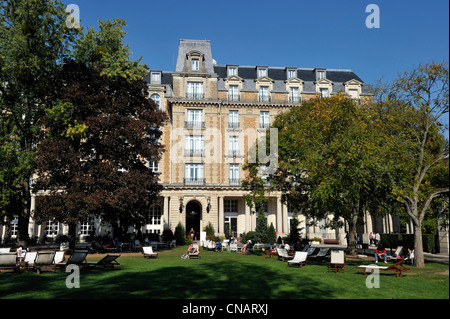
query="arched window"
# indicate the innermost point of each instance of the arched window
(157, 100)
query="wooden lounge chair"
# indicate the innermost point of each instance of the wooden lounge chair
(283, 254)
(107, 262)
(337, 260)
(322, 254)
(44, 262)
(30, 258)
(299, 259)
(59, 257)
(8, 262)
(148, 252)
(311, 251)
(196, 254)
(77, 258)
(397, 267)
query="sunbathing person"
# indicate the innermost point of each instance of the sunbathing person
(192, 250)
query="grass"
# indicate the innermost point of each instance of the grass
(225, 275)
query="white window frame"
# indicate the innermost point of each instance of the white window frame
(193, 171)
(233, 119)
(264, 119)
(233, 93)
(157, 99)
(155, 77)
(234, 145)
(291, 74)
(232, 70)
(195, 90)
(194, 144)
(234, 173)
(294, 95)
(195, 64)
(262, 72)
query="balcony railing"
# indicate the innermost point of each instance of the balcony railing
(190, 152)
(233, 97)
(195, 96)
(233, 153)
(233, 124)
(264, 97)
(294, 99)
(264, 125)
(235, 181)
(194, 182)
(194, 124)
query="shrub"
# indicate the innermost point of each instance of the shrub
(180, 234)
(271, 234)
(209, 229)
(167, 235)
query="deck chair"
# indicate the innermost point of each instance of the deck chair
(59, 257)
(8, 262)
(5, 250)
(299, 259)
(398, 254)
(322, 254)
(107, 262)
(195, 255)
(44, 262)
(397, 267)
(77, 258)
(148, 252)
(30, 258)
(337, 260)
(173, 243)
(283, 254)
(233, 247)
(311, 251)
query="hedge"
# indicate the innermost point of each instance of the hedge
(407, 240)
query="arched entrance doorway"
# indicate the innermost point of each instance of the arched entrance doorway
(193, 217)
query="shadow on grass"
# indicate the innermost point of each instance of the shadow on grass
(208, 280)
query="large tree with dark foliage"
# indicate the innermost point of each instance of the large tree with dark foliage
(93, 154)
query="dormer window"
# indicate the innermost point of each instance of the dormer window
(155, 77)
(232, 70)
(320, 74)
(262, 71)
(195, 65)
(291, 73)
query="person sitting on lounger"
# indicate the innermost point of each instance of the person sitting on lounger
(380, 252)
(192, 250)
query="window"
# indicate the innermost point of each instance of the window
(264, 94)
(195, 90)
(232, 70)
(156, 99)
(320, 75)
(291, 74)
(52, 228)
(154, 166)
(234, 174)
(233, 94)
(262, 72)
(195, 65)
(234, 145)
(154, 215)
(193, 174)
(14, 227)
(264, 119)
(293, 95)
(194, 145)
(155, 78)
(353, 93)
(324, 92)
(87, 227)
(194, 118)
(230, 205)
(233, 119)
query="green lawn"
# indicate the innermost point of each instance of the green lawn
(218, 275)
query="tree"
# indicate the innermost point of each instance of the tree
(93, 154)
(326, 160)
(294, 235)
(105, 48)
(34, 39)
(415, 152)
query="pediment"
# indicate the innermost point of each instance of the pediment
(294, 81)
(324, 81)
(353, 82)
(234, 78)
(264, 79)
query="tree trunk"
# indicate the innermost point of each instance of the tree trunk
(72, 235)
(24, 217)
(419, 261)
(352, 235)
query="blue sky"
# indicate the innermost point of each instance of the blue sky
(301, 33)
